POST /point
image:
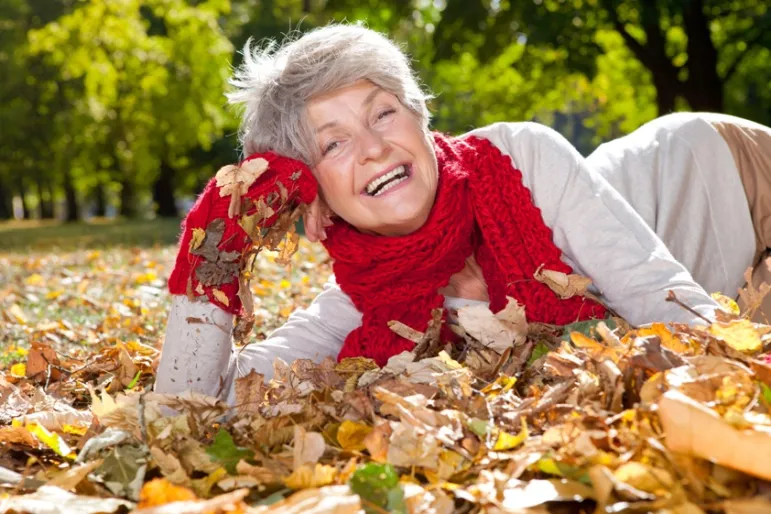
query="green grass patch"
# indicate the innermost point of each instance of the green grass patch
(27, 236)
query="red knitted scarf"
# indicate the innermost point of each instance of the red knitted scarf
(481, 207)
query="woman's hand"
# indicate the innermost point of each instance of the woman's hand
(316, 219)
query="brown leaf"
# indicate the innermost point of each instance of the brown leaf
(250, 391)
(41, 361)
(496, 331)
(566, 286)
(216, 273)
(236, 180)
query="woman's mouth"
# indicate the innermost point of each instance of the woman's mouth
(388, 181)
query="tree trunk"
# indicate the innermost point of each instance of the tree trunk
(46, 201)
(71, 197)
(6, 201)
(163, 193)
(22, 192)
(100, 200)
(128, 200)
(704, 87)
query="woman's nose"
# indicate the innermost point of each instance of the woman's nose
(372, 146)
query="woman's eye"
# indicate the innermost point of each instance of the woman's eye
(385, 113)
(331, 146)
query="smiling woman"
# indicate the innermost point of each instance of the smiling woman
(414, 221)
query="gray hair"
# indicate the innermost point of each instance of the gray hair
(275, 84)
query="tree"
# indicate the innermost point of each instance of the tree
(152, 75)
(692, 49)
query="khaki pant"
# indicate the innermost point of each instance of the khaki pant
(750, 145)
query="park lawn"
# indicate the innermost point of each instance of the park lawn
(83, 286)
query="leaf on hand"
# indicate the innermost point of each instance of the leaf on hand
(236, 180)
(566, 286)
(224, 451)
(221, 297)
(197, 238)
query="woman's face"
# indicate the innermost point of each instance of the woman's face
(378, 169)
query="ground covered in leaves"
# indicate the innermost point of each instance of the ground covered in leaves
(593, 417)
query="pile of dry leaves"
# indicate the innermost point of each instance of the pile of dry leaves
(521, 417)
(593, 417)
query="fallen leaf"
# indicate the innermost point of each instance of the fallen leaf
(308, 447)
(160, 491)
(351, 435)
(54, 500)
(307, 476)
(739, 334)
(333, 499)
(69, 479)
(378, 485)
(566, 286)
(496, 331)
(250, 390)
(224, 451)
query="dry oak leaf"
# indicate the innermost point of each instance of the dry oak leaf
(306, 477)
(333, 499)
(236, 180)
(496, 331)
(566, 286)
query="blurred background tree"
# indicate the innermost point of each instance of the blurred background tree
(116, 107)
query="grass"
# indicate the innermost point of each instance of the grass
(35, 236)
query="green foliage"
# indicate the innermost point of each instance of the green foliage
(106, 100)
(224, 451)
(379, 488)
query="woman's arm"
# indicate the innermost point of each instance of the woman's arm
(601, 236)
(198, 353)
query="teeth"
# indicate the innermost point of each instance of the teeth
(390, 185)
(373, 186)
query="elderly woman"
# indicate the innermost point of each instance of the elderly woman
(413, 220)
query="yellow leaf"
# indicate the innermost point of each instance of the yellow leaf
(501, 385)
(597, 349)
(19, 370)
(17, 314)
(507, 441)
(34, 280)
(52, 440)
(668, 339)
(197, 238)
(306, 477)
(160, 491)
(221, 297)
(351, 435)
(645, 478)
(727, 303)
(53, 295)
(739, 334)
(74, 429)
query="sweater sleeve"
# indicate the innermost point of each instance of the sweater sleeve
(599, 233)
(313, 333)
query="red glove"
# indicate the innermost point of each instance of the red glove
(211, 267)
